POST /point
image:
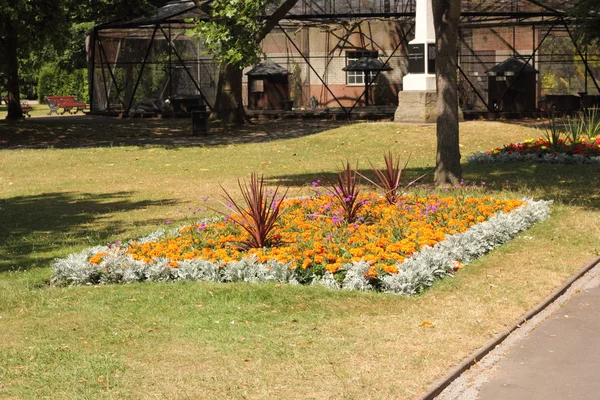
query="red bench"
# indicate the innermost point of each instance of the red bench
(67, 103)
(25, 107)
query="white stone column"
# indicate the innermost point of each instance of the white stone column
(417, 102)
(420, 49)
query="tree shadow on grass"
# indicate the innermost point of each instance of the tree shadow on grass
(307, 179)
(577, 185)
(35, 229)
(100, 131)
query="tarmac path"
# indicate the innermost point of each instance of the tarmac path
(555, 355)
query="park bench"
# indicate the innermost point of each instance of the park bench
(67, 103)
(25, 107)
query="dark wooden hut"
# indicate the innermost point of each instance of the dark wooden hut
(268, 87)
(512, 86)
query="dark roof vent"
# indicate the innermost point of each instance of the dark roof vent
(510, 67)
(267, 68)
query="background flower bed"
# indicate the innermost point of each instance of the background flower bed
(542, 150)
(572, 141)
(399, 248)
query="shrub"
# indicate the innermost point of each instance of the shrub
(56, 81)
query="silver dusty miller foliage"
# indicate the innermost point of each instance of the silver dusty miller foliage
(416, 273)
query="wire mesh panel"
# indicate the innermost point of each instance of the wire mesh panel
(562, 68)
(137, 70)
(139, 65)
(316, 55)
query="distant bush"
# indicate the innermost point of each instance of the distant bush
(55, 81)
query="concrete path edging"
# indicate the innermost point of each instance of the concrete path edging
(438, 386)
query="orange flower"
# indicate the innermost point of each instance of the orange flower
(307, 235)
(97, 259)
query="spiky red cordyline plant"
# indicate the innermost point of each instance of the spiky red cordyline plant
(260, 213)
(388, 179)
(346, 191)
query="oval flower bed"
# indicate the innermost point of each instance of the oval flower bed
(400, 248)
(543, 150)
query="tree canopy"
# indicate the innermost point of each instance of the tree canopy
(232, 35)
(33, 32)
(587, 12)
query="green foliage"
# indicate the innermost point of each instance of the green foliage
(575, 128)
(549, 84)
(586, 124)
(55, 81)
(591, 122)
(230, 34)
(553, 134)
(586, 12)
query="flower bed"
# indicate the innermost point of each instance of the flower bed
(399, 248)
(544, 150)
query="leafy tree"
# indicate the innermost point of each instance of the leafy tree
(587, 13)
(446, 15)
(25, 26)
(232, 35)
(33, 32)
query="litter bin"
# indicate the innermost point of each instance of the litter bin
(199, 120)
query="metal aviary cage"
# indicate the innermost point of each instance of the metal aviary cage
(136, 66)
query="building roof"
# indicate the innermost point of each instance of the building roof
(491, 11)
(267, 68)
(511, 66)
(176, 11)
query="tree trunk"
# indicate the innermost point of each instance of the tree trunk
(229, 106)
(446, 15)
(12, 73)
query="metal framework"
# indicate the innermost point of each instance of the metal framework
(154, 52)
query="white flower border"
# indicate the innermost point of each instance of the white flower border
(415, 274)
(481, 157)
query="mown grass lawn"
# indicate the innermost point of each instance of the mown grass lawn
(202, 340)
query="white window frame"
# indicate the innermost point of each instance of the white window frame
(357, 78)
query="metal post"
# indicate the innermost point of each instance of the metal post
(523, 67)
(587, 67)
(185, 68)
(170, 65)
(385, 63)
(366, 78)
(141, 69)
(585, 76)
(313, 69)
(93, 70)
